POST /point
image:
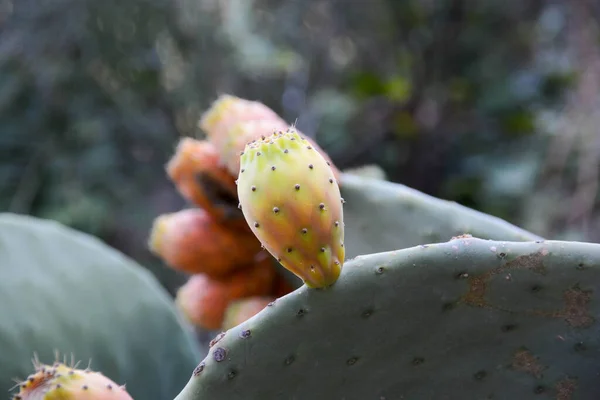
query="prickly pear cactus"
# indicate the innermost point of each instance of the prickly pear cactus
(466, 319)
(385, 216)
(62, 290)
(291, 201)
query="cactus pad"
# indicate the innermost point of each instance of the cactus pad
(465, 319)
(291, 201)
(63, 290)
(385, 216)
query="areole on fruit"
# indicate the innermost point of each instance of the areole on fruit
(291, 200)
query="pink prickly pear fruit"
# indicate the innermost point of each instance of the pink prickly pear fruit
(231, 122)
(228, 110)
(246, 131)
(242, 310)
(197, 172)
(204, 300)
(62, 382)
(242, 133)
(291, 201)
(191, 241)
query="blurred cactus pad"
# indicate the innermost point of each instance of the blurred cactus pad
(465, 319)
(65, 291)
(384, 216)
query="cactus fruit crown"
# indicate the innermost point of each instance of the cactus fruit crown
(60, 381)
(291, 200)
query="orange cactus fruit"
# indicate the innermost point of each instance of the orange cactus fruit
(204, 301)
(62, 382)
(242, 310)
(227, 111)
(232, 122)
(242, 133)
(200, 177)
(191, 241)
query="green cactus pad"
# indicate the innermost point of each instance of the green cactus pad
(465, 319)
(384, 216)
(62, 290)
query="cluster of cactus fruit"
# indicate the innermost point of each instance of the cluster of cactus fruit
(232, 274)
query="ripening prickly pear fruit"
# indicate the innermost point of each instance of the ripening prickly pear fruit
(291, 201)
(197, 172)
(228, 110)
(242, 310)
(231, 122)
(62, 382)
(192, 241)
(244, 132)
(203, 300)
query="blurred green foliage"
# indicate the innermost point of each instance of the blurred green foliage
(448, 97)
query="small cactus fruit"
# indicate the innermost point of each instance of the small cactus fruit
(231, 122)
(204, 300)
(242, 310)
(291, 201)
(62, 382)
(191, 241)
(242, 133)
(200, 177)
(227, 111)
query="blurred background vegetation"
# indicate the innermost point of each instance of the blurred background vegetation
(493, 104)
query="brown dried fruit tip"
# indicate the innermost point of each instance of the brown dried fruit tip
(191, 241)
(242, 310)
(197, 172)
(231, 122)
(204, 300)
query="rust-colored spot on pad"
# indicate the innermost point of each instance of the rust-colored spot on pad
(576, 300)
(565, 389)
(524, 361)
